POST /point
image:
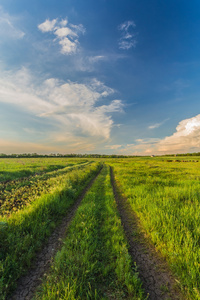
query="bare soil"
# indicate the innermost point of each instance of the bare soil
(27, 285)
(158, 281)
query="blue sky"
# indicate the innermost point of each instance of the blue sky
(104, 76)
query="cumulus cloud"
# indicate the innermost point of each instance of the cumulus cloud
(72, 108)
(67, 46)
(185, 139)
(65, 33)
(8, 27)
(47, 25)
(128, 35)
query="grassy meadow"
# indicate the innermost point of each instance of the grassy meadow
(15, 168)
(165, 194)
(94, 263)
(24, 230)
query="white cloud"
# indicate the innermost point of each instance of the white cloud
(157, 125)
(8, 27)
(147, 141)
(185, 139)
(63, 22)
(127, 44)
(128, 35)
(68, 46)
(67, 36)
(47, 25)
(140, 147)
(97, 85)
(114, 106)
(65, 31)
(78, 28)
(125, 26)
(72, 108)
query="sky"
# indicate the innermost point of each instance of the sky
(103, 76)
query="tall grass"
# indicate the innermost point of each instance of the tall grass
(15, 168)
(23, 232)
(18, 193)
(94, 262)
(166, 197)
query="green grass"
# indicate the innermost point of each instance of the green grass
(15, 168)
(166, 197)
(94, 262)
(23, 232)
(16, 194)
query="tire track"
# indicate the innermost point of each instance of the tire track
(158, 281)
(27, 285)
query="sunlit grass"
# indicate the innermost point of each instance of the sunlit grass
(24, 231)
(166, 197)
(15, 168)
(163, 191)
(16, 194)
(94, 262)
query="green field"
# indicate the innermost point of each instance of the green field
(165, 194)
(94, 268)
(94, 262)
(15, 168)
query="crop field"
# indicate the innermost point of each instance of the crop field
(122, 228)
(16, 168)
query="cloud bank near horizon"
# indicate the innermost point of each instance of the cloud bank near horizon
(185, 139)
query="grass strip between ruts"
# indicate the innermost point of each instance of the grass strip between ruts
(24, 231)
(94, 262)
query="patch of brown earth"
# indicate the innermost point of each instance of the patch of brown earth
(28, 284)
(158, 282)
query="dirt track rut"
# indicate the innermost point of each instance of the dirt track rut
(27, 284)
